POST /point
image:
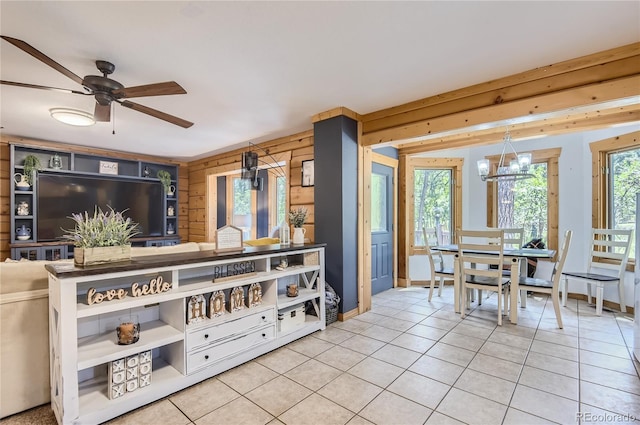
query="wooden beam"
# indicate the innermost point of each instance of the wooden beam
(522, 110)
(592, 60)
(336, 112)
(568, 124)
(606, 72)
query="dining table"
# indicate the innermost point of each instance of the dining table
(516, 258)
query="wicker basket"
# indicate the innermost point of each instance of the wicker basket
(331, 312)
(331, 315)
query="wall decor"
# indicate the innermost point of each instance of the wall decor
(228, 238)
(196, 309)
(108, 167)
(128, 374)
(255, 294)
(308, 173)
(236, 299)
(216, 305)
(157, 285)
(231, 271)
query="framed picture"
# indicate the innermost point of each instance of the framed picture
(108, 167)
(307, 173)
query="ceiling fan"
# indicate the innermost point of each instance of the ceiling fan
(104, 89)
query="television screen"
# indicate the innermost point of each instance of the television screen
(60, 195)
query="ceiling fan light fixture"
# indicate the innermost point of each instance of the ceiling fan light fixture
(73, 117)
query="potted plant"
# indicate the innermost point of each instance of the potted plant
(297, 217)
(31, 166)
(100, 238)
(165, 179)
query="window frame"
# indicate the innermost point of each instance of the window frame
(600, 151)
(453, 164)
(548, 156)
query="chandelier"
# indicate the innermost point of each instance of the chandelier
(518, 169)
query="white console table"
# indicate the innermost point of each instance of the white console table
(183, 350)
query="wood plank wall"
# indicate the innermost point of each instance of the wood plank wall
(300, 146)
(6, 178)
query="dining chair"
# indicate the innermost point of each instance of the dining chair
(551, 286)
(436, 262)
(609, 251)
(513, 239)
(489, 242)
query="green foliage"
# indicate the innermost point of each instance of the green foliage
(298, 216)
(31, 166)
(625, 170)
(281, 199)
(523, 203)
(101, 229)
(165, 179)
(432, 207)
(241, 197)
(624, 185)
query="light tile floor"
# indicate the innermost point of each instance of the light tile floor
(408, 361)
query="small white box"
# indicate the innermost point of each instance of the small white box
(290, 318)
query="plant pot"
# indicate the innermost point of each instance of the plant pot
(298, 235)
(101, 255)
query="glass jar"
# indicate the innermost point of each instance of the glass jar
(128, 330)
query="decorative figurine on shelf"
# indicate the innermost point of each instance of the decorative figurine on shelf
(170, 229)
(236, 299)
(171, 211)
(55, 162)
(255, 294)
(146, 172)
(21, 182)
(196, 309)
(22, 208)
(283, 264)
(216, 305)
(23, 233)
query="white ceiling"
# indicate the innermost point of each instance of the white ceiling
(255, 71)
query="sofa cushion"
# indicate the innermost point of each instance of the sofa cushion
(22, 276)
(207, 246)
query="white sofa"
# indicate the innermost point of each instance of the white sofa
(24, 328)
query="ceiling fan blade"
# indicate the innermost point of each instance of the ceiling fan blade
(155, 113)
(42, 57)
(102, 113)
(34, 86)
(158, 89)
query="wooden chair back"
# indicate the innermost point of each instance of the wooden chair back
(610, 249)
(488, 241)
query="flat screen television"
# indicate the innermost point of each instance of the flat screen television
(60, 195)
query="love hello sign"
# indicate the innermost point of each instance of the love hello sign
(154, 287)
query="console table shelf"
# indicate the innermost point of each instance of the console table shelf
(183, 331)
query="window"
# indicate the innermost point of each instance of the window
(531, 203)
(258, 213)
(623, 178)
(436, 199)
(616, 171)
(379, 208)
(242, 208)
(433, 203)
(524, 204)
